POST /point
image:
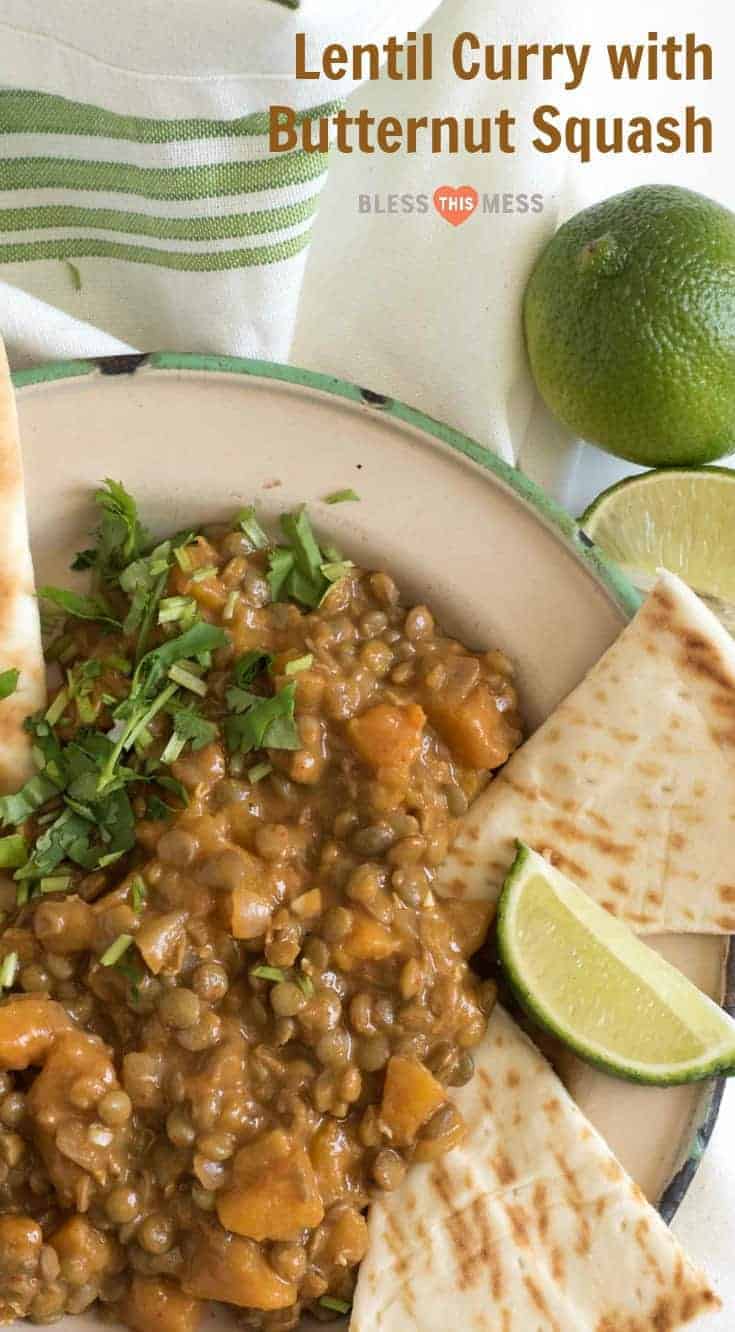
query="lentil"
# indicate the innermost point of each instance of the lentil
(286, 957)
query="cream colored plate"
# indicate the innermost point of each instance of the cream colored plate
(194, 439)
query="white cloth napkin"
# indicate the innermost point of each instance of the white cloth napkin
(138, 195)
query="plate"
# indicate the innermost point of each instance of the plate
(194, 438)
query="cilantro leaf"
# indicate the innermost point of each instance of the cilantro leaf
(296, 569)
(265, 723)
(297, 664)
(157, 809)
(281, 563)
(16, 808)
(82, 608)
(154, 666)
(341, 496)
(144, 581)
(239, 700)
(9, 682)
(251, 528)
(297, 530)
(251, 665)
(120, 536)
(189, 728)
(13, 851)
(67, 836)
(336, 1306)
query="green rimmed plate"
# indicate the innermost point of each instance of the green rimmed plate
(196, 437)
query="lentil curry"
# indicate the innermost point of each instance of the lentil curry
(232, 1006)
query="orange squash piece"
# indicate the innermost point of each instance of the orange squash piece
(410, 1097)
(274, 1193)
(83, 1250)
(157, 1303)
(478, 734)
(470, 923)
(387, 737)
(232, 1269)
(29, 1024)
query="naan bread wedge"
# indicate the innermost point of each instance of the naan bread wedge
(20, 631)
(531, 1225)
(629, 786)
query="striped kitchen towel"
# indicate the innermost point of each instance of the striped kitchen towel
(138, 195)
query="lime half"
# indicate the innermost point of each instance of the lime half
(682, 518)
(586, 977)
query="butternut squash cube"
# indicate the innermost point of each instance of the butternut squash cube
(470, 923)
(478, 734)
(232, 1269)
(155, 1302)
(388, 737)
(274, 1193)
(410, 1096)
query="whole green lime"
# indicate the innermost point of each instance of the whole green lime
(629, 318)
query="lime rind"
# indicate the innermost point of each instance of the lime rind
(680, 518)
(692, 1018)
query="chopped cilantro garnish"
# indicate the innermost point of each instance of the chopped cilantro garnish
(112, 955)
(336, 1305)
(55, 883)
(305, 984)
(203, 572)
(188, 679)
(8, 970)
(306, 582)
(118, 663)
(259, 771)
(262, 723)
(189, 728)
(268, 973)
(156, 664)
(297, 664)
(336, 570)
(80, 607)
(157, 809)
(144, 582)
(176, 609)
(138, 893)
(57, 707)
(13, 851)
(183, 558)
(341, 496)
(120, 536)
(300, 570)
(132, 973)
(251, 528)
(87, 709)
(248, 667)
(9, 682)
(18, 807)
(281, 563)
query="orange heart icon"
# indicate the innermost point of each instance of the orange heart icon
(456, 205)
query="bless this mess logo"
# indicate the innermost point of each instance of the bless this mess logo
(454, 203)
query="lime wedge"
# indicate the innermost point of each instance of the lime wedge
(583, 975)
(682, 518)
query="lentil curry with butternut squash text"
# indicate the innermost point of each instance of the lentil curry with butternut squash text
(231, 1005)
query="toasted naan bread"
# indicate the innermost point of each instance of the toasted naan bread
(629, 786)
(531, 1225)
(20, 632)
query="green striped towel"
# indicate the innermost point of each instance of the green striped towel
(138, 195)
